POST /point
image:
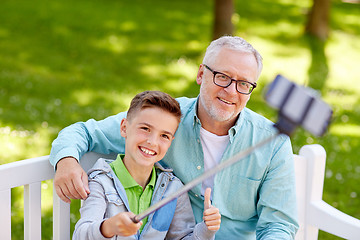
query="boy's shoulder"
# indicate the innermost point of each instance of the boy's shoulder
(162, 168)
(101, 166)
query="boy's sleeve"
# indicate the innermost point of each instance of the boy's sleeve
(98, 136)
(183, 223)
(92, 215)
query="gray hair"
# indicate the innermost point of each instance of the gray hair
(232, 43)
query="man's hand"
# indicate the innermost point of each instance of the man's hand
(212, 217)
(120, 224)
(71, 181)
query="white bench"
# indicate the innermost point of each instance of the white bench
(314, 213)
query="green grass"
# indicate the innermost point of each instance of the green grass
(65, 61)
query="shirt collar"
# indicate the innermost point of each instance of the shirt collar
(194, 112)
(232, 131)
(124, 176)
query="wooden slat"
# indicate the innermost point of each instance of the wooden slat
(61, 218)
(24, 172)
(5, 214)
(32, 211)
(300, 164)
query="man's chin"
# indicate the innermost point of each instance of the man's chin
(223, 116)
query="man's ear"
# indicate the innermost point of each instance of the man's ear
(200, 74)
(123, 126)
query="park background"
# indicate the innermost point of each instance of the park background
(68, 61)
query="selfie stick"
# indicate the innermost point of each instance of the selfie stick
(297, 105)
(200, 179)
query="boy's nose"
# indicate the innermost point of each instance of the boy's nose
(151, 140)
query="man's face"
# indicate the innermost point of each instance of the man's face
(218, 104)
(148, 135)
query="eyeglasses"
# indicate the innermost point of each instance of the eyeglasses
(223, 80)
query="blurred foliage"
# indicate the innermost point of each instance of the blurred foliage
(65, 61)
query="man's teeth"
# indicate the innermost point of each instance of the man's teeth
(147, 151)
(225, 101)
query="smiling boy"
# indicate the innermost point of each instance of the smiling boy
(130, 184)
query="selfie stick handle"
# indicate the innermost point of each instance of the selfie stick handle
(201, 178)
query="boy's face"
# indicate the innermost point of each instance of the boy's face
(148, 136)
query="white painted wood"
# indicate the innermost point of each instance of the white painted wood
(32, 211)
(61, 218)
(27, 171)
(314, 213)
(300, 164)
(331, 220)
(315, 156)
(5, 214)
(89, 159)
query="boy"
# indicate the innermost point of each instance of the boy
(126, 186)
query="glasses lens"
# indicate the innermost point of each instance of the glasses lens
(222, 80)
(244, 87)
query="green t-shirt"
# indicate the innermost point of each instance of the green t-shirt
(139, 200)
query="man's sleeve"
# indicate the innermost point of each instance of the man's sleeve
(277, 207)
(98, 136)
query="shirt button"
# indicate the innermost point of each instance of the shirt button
(198, 167)
(196, 195)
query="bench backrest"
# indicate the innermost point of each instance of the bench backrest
(314, 213)
(30, 173)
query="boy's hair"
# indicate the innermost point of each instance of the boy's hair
(154, 99)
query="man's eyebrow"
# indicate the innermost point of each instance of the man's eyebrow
(242, 79)
(151, 126)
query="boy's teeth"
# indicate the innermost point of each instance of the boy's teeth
(148, 151)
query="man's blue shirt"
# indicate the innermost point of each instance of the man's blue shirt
(256, 196)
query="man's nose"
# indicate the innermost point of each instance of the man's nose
(231, 88)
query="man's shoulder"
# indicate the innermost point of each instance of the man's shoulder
(255, 118)
(186, 103)
(262, 125)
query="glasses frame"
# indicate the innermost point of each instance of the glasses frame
(232, 80)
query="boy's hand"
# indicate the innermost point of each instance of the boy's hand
(120, 224)
(212, 217)
(71, 181)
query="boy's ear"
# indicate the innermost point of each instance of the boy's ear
(123, 126)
